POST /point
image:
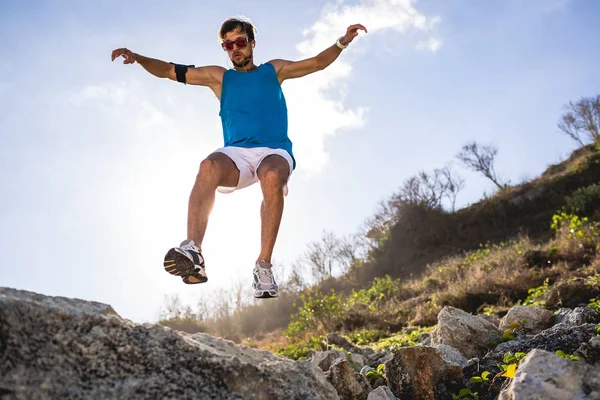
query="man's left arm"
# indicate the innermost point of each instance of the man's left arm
(295, 69)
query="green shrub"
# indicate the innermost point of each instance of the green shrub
(584, 201)
(535, 294)
(318, 313)
(380, 290)
(302, 349)
(366, 336)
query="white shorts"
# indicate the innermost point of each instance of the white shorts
(247, 161)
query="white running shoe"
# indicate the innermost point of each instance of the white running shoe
(264, 283)
(186, 261)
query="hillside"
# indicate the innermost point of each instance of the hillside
(422, 238)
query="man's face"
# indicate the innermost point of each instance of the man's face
(238, 54)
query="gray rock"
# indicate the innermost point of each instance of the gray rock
(492, 318)
(324, 359)
(590, 351)
(381, 393)
(559, 337)
(350, 385)
(54, 347)
(424, 339)
(537, 319)
(576, 317)
(467, 333)
(379, 357)
(542, 375)
(422, 372)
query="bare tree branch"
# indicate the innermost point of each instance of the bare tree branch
(582, 120)
(480, 159)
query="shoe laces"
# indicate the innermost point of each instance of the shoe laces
(265, 275)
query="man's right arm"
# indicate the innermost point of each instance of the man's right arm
(202, 76)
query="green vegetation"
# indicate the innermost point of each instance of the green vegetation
(376, 373)
(464, 394)
(536, 294)
(567, 356)
(481, 378)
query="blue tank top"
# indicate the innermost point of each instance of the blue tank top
(253, 110)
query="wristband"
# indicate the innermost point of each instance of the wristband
(340, 45)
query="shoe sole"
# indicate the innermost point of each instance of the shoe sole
(179, 265)
(265, 294)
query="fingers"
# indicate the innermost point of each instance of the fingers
(126, 53)
(354, 28)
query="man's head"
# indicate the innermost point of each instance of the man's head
(237, 38)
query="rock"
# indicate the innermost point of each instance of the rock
(423, 372)
(469, 334)
(536, 319)
(576, 317)
(381, 393)
(324, 359)
(340, 341)
(542, 375)
(559, 337)
(350, 385)
(54, 347)
(377, 358)
(571, 293)
(357, 359)
(424, 339)
(492, 318)
(590, 351)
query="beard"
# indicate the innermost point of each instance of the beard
(244, 62)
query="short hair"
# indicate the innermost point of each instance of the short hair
(240, 24)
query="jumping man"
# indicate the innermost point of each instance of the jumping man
(256, 144)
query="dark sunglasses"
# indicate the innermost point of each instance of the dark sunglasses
(240, 42)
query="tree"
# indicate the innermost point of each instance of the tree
(582, 120)
(430, 189)
(321, 256)
(480, 159)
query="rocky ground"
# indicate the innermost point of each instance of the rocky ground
(54, 347)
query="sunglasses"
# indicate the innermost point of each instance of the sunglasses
(228, 44)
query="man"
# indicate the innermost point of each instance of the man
(256, 144)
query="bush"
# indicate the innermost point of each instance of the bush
(585, 201)
(318, 313)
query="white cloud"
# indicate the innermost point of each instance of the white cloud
(314, 112)
(432, 45)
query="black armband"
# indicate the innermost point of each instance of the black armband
(180, 71)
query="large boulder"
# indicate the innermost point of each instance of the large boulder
(469, 334)
(54, 347)
(425, 373)
(560, 337)
(542, 375)
(529, 319)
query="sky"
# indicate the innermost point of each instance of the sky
(97, 158)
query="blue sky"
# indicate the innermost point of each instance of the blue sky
(98, 158)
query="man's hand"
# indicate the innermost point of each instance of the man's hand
(129, 56)
(351, 33)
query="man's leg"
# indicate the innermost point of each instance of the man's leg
(216, 170)
(273, 174)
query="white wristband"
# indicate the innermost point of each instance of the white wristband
(340, 45)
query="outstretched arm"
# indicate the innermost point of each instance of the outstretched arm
(296, 69)
(203, 76)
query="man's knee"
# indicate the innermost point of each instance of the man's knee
(219, 169)
(274, 171)
(210, 166)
